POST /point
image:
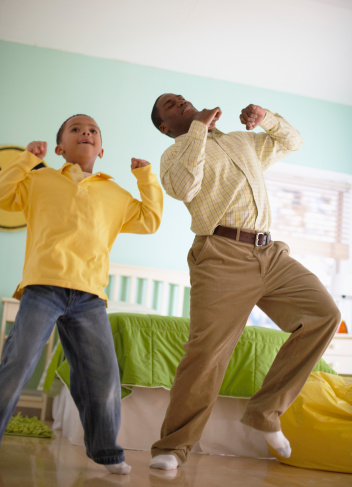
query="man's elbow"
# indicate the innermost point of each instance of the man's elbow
(184, 194)
(297, 143)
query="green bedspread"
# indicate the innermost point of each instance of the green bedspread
(149, 348)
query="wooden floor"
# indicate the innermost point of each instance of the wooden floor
(34, 462)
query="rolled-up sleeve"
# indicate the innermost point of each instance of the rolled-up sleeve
(182, 164)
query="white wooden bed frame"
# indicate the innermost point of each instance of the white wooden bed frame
(160, 286)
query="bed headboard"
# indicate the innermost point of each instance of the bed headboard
(163, 290)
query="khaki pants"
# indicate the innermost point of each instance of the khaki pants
(228, 278)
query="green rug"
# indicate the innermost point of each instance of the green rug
(20, 426)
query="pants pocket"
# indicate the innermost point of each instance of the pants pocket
(198, 250)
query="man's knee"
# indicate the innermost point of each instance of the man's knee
(329, 314)
(337, 320)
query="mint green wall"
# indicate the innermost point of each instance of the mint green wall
(40, 88)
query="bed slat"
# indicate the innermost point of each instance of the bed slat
(166, 279)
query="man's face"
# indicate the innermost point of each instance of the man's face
(176, 114)
(80, 142)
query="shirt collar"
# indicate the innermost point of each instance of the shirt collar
(212, 133)
(98, 174)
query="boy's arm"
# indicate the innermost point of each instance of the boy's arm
(144, 216)
(38, 148)
(14, 181)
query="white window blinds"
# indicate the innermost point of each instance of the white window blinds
(312, 216)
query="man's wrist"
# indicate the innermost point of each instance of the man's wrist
(268, 121)
(197, 130)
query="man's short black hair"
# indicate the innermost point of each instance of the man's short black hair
(156, 118)
(61, 129)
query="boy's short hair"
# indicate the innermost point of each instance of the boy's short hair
(61, 129)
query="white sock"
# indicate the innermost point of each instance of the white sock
(118, 468)
(164, 462)
(279, 442)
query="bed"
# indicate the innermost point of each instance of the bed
(146, 313)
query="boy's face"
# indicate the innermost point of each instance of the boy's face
(81, 142)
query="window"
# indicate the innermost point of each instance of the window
(312, 214)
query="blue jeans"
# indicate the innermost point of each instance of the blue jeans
(86, 338)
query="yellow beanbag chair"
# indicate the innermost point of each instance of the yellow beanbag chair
(319, 424)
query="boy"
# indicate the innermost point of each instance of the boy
(73, 218)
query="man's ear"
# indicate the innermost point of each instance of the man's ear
(101, 153)
(164, 129)
(59, 150)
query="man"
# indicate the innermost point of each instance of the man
(234, 265)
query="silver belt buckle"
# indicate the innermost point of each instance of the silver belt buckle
(256, 243)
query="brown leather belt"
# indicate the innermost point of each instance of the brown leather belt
(257, 239)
